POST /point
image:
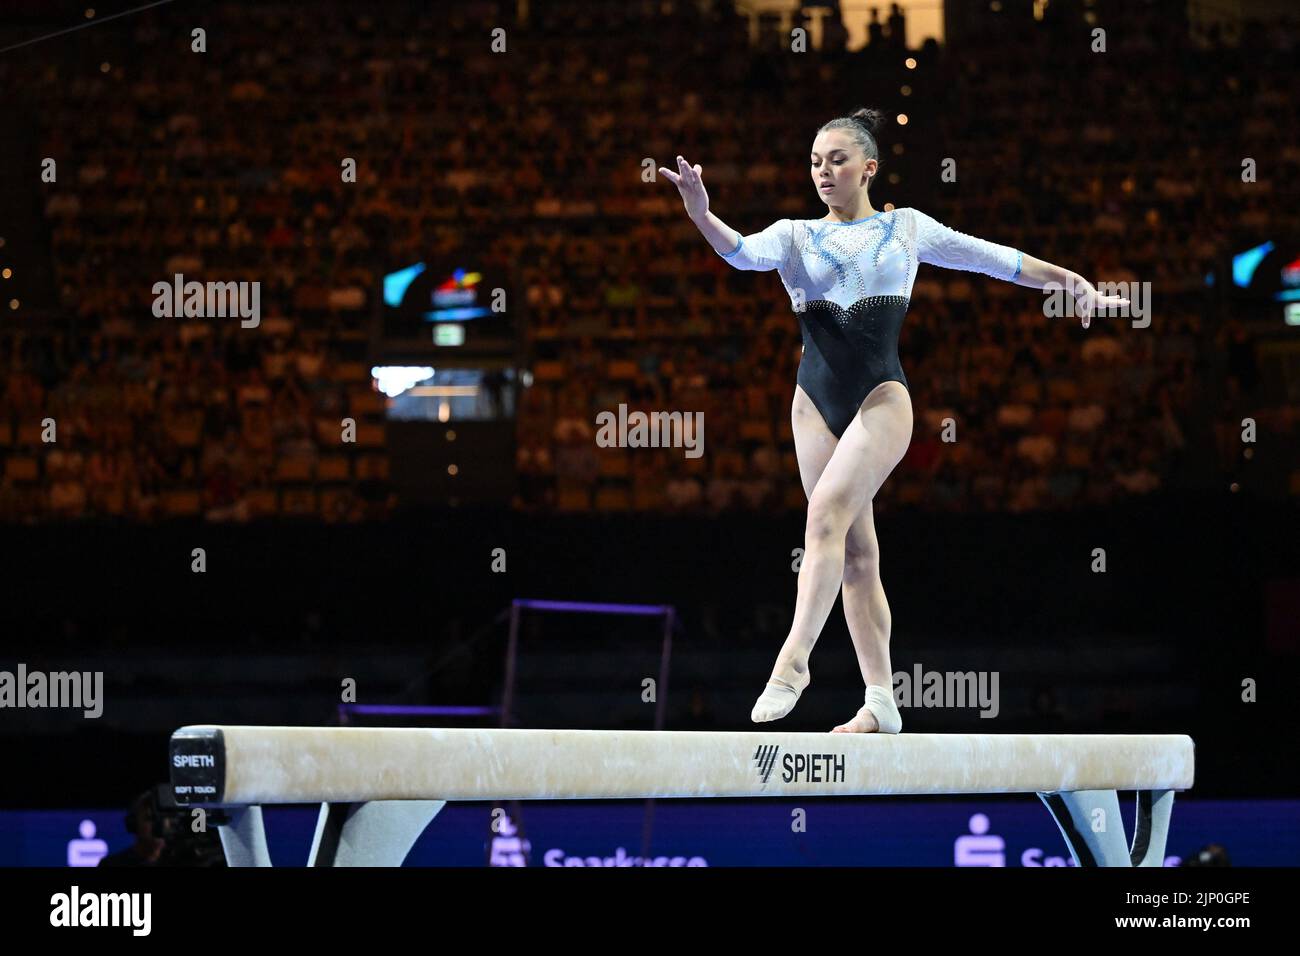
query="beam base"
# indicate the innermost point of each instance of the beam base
(378, 833)
(1089, 821)
(382, 832)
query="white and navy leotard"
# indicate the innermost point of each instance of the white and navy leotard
(850, 283)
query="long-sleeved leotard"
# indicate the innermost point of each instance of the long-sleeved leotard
(850, 283)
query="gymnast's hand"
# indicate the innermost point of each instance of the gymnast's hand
(1087, 300)
(688, 183)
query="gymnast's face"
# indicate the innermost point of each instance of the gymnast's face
(839, 167)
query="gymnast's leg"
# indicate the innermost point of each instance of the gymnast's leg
(867, 614)
(814, 444)
(857, 466)
(865, 607)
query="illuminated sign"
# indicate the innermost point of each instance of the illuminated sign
(456, 297)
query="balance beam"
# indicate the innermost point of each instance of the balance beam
(379, 787)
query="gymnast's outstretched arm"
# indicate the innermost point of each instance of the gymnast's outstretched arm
(762, 251)
(1037, 274)
(950, 249)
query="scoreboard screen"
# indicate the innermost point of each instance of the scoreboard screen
(1268, 275)
(448, 305)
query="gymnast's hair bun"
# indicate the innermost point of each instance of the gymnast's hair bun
(871, 119)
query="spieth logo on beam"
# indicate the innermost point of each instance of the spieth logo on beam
(796, 768)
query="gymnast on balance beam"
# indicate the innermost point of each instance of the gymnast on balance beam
(850, 276)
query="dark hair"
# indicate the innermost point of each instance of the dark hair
(861, 126)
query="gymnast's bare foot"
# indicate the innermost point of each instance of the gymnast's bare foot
(863, 722)
(789, 679)
(878, 714)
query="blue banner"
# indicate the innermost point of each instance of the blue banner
(868, 832)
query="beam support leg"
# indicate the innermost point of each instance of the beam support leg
(378, 833)
(1089, 821)
(244, 838)
(1151, 827)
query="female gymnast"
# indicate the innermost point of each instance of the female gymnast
(850, 275)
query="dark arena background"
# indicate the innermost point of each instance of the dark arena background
(314, 319)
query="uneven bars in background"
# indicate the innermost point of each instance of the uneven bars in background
(666, 611)
(346, 711)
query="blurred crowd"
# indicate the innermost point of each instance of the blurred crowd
(145, 428)
(226, 165)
